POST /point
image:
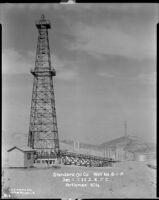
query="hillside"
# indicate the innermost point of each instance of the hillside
(128, 143)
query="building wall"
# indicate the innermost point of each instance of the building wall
(16, 158)
(28, 162)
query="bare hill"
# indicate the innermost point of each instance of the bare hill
(128, 143)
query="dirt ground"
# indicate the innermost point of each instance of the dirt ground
(124, 180)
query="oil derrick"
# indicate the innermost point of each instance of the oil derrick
(43, 131)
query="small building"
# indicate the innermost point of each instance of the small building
(21, 157)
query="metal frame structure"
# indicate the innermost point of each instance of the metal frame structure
(69, 158)
(43, 131)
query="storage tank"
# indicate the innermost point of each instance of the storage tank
(140, 157)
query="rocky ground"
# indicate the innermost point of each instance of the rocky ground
(123, 180)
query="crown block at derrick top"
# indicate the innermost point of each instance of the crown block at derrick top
(43, 23)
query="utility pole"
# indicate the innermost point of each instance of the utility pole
(125, 128)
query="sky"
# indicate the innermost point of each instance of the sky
(105, 59)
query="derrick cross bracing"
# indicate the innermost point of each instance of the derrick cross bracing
(43, 132)
(69, 158)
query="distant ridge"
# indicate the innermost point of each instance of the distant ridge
(128, 143)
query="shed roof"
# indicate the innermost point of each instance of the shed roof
(24, 149)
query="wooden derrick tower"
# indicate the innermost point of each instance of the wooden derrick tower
(43, 131)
